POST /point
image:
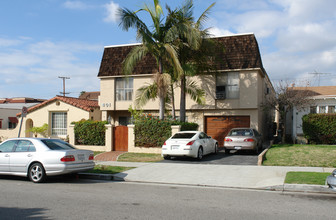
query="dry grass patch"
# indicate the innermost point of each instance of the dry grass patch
(139, 157)
(301, 155)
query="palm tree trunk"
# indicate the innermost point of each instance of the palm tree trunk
(173, 101)
(183, 100)
(161, 96)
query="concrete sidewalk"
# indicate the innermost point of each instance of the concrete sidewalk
(230, 176)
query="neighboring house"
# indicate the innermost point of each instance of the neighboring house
(90, 96)
(322, 100)
(9, 107)
(234, 95)
(58, 113)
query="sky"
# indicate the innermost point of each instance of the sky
(41, 40)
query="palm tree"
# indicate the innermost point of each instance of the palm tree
(156, 42)
(193, 53)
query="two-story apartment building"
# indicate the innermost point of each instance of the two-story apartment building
(234, 94)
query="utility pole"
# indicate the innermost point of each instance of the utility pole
(64, 78)
(318, 75)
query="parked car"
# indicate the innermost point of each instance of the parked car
(331, 180)
(194, 144)
(38, 158)
(243, 139)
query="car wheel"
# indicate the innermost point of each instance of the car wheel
(36, 173)
(216, 149)
(227, 151)
(200, 153)
(166, 157)
(256, 150)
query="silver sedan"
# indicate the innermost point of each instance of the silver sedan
(41, 157)
(243, 139)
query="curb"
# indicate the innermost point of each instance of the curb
(299, 188)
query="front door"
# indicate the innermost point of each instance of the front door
(120, 138)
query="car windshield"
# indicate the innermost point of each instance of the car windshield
(241, 132)
(183, 135)
(54, 144)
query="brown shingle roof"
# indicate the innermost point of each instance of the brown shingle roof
(240, 52)
(319, 90)
(90, 95)
(84, 104)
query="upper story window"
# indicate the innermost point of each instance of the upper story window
(124, 89)
(322, 109)
(331, 109)
(227, 85)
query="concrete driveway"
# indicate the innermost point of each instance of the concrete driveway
(234, 158)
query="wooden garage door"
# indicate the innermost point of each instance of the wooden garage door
(218, 126)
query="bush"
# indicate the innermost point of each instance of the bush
(151, 132)
(319, 128)
(186, 126)
(88, 132)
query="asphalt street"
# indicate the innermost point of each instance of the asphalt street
(70, 198)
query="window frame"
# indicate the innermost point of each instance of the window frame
(59, 128)
(228, 85)
(124, 89)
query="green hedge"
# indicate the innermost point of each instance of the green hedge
(151, 132)
(186, 126)
(319, 128)
(88, 132)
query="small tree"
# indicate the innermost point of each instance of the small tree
(43, 130)
(285, 99)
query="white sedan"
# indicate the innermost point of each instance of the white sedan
(189, 143)
(41, 157)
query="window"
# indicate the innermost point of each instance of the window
(25, 146)
(331, 109)
(59, 123)
(124, 89)
(227, 85)
(54, 144)
(7, 146)
(313, 109)
(322, 109)
(124, 121)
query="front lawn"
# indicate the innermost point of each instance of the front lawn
(314, 178)
(139, 157)
(301, 155)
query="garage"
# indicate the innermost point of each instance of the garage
(218, 126)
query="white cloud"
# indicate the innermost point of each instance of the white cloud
(112, 12)
(217, 32)
(35, 67)
(78, 5)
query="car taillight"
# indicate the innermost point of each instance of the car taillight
(190, 142)
(68, 158)
(228, 139)
(91, 157)
(164, 143)
(249, 140)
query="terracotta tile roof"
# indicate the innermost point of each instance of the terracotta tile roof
(319, 90)
(84, 104)
(240, 52)
(21, 100)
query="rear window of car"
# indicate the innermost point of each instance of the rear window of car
(183, 135)
(241, 132)
(54, 144)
